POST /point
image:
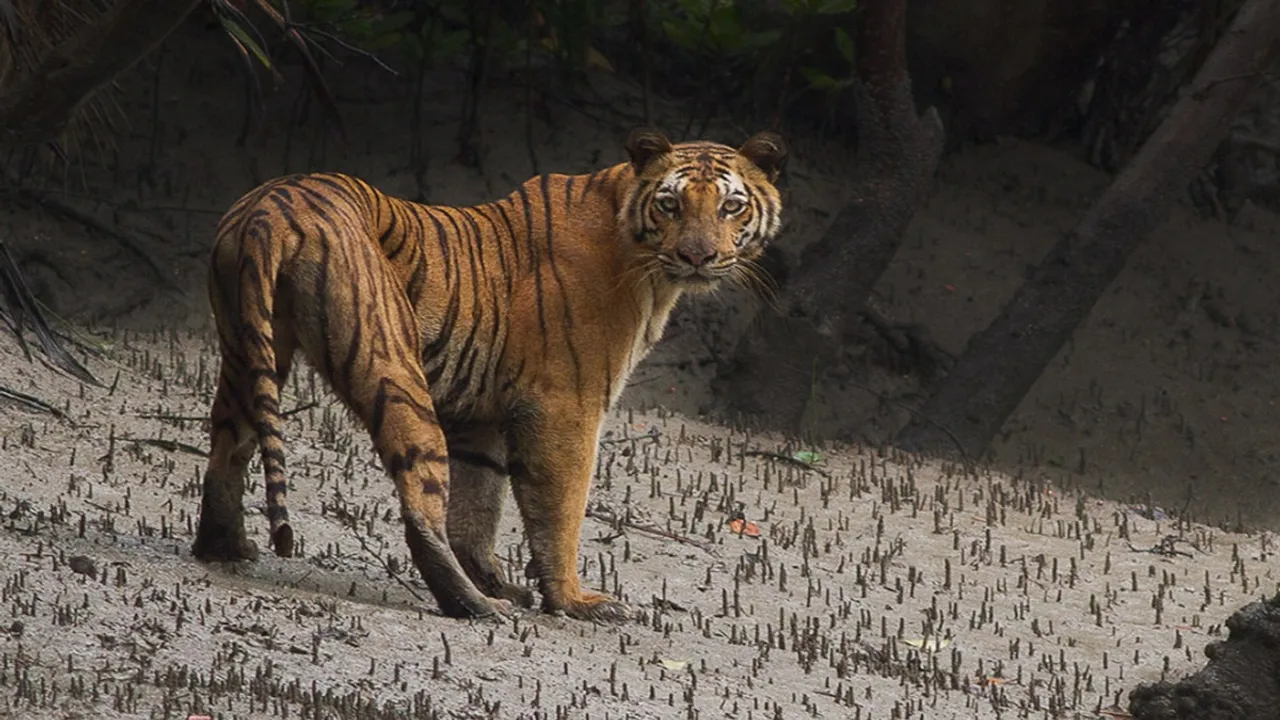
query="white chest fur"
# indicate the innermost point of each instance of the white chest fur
(653, 307)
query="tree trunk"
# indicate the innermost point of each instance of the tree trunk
(774, 363)
(1241, 679)
(39, 107)
(1002, 362)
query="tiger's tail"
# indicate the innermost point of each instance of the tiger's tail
(258, 349)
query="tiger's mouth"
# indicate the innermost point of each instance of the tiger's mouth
(696, 276)
(696, 279)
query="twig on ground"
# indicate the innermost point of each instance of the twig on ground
(101, 507)
(1166, 547)
(171, 418)
(614, 520)
(653, 434)
(382, 561)
(169, 445)
(205, 418)
(32, 402)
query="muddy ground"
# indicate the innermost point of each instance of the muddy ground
(1047, 585)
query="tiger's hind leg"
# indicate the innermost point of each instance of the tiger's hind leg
(477, 489)
(392, 402)
(221, 534)
(356, 325)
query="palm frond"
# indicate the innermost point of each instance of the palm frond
(22, 307)
(250, 41)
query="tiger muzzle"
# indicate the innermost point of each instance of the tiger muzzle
(696, 254)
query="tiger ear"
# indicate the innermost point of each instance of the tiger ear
(768, 151)
(644, 144)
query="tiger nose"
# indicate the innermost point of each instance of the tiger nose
(696, 256)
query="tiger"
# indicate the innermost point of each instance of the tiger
(480, 347)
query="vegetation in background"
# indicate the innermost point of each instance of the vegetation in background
(762, 58)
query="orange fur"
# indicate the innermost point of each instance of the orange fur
(477, 345)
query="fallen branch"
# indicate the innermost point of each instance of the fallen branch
(349, 523)
(31, 402)
(169, 445)
(165, 417)
(614, 520)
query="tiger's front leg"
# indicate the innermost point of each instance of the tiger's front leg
(477, 489)
(551, 471)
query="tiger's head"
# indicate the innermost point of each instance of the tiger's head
(701, 212)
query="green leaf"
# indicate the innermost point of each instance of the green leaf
(724, 24)
(845, 43)
(681, 34)
(807, 457)
(818, 79)
(242, 37)
(695, 8)
(758, 40)
(450, 43)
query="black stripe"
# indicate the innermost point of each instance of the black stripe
(400, 463)
(592, 179)
(437, 344)
(555, 272)
(355, 341)
(340, 184)
(537, 266)
(322, 309)
(511, 233)
(272, 455)
(471, 214)
(383, 398)
(496, 233)
(393, 228)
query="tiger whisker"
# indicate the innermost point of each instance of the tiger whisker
(749, 275)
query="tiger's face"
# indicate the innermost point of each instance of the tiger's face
(700, 211)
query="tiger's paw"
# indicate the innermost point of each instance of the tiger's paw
(502, 610)
(515, 595)
(282, 541)
(492, 583)
(591, 606)
(215, 545)
(480, 608)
